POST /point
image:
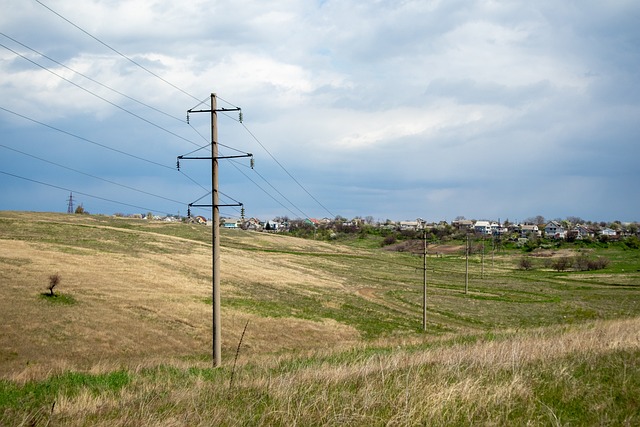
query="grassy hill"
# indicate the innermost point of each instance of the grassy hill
(333, 331)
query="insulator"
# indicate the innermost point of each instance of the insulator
(178, 164)
(189, 212)
(253, 163)
(187, 117)
(240, 116)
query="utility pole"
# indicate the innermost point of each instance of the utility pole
(215, 233)
(422, 224)
(482, 274)
(466, 276)
(424, 278)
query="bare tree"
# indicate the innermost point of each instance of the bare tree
(54, 280)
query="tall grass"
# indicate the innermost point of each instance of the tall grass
(586, 375)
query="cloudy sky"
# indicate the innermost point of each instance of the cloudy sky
(390, 109)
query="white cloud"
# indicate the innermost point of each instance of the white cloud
(461, 104)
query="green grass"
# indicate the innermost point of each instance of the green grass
(35, 398)
(58, 298)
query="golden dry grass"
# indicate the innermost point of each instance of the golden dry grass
(136, 309)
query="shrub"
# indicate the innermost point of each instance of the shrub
(561, 264)
(389, 240)
(581, 262)
(597, 264)
(525, 263)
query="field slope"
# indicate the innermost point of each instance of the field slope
(333, 332)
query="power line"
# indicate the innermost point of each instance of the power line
(86, 139)
(118, 52)
(93, 176)
(262, 189)
(286, 171)
(189, 95)
(79, 192)
(101, 97)
(92, 79)
(101, 145)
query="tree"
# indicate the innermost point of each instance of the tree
(54, 280)
(80, 209)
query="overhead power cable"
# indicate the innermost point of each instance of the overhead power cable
(263, 190)
(274, 189)
(93, 80)
(187, 94)
(117, 52)
(79, 192)
(287, 172)
(85, 139)
(101, 145)
(100, 97)
(92, 176)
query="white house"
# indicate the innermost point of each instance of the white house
(483, 227)
(555, 230)
(608, 232)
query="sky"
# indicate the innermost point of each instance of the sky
(500, 110)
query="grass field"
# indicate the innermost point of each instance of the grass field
(333, 331)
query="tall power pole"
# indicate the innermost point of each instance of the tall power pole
(215, 237)
(215, 233)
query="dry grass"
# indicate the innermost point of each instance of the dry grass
(133, 307)
(494, 382)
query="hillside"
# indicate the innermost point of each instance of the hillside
(133, 311)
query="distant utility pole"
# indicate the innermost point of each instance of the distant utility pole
(466, 276)
(424, 278)
(482, 274)
(70, 205)
(215, 235)
(424, 273)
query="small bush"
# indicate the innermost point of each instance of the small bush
(389, 240)
(581, 262)
(597, 264)
(525, 263)
(561, 264)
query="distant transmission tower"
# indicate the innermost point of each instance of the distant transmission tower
(70, 205)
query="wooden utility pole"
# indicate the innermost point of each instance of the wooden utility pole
(482, 274)
(215, 238)
(424, 279)
(216, 349)
(466, 276)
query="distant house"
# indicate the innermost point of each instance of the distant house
(555, 230)
(528, 230)
(230, 223)
(462, 224)
(608, 232)
(271, 226)
(312, 221)
(408, 225)
(482, 227)
(253, 224)
(582, 232)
